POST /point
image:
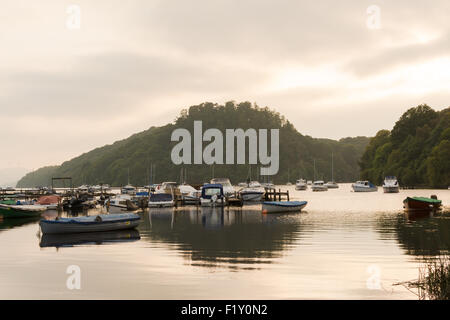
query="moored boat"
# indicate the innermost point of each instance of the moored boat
(253, 192)
(101, 222)
(228, 189)
(390, 185)
(319, 186)
(212, 195)
(283, 206)
(301, 185)
(161, 200)
(364, 186)
(21, 211)
(422, 203)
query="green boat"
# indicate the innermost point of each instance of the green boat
(21, 211)
(421, 203)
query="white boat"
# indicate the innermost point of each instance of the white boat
(390, 185)
(168, 187)
(253, 192)
(319, 186)
(332, 185)
(301, 184)
(83, 188)
(364, 186)
(119, 201)
(129, 189)
(228, 188)
(161, 200)
(189, 194)
(282, 206)
(212, 195)
(102, 222)
(309, 183)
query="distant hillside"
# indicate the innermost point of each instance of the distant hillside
(136, 154)
(417, 150)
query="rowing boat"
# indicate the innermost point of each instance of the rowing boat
(101, 222)
(283, 206)
(21, 211)
(421, 203)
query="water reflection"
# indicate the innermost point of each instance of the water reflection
(419, 234)
(217, 237)
(96, 238)
(6, 224)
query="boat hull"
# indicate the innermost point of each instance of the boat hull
(161, 204)
(389, 189)
(252, 196)
(301, 187)
(283, 206)
(364, 189)
(15, 212)
(319, 188)
(75, 225)
(414, 204)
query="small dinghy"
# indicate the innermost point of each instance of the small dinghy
(283, 206)
(101, 222)
(21, 211)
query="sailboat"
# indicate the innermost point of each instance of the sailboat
(318, 185)
(331, 184)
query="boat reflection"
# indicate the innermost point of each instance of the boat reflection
(7, 224)
(419, 233)
(88, 238)
(222, 237)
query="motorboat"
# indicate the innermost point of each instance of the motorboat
(101, 222)
(228, 188)
(189, 194)
(168, 187)
(309, 183)
(161, 200)
(319, 186)
(390, 185)
(364, 186)
(253, 192)
(128, 189)
(283, 206)
(332, 185)
(119, 201)
(212, 195)
(301, 184)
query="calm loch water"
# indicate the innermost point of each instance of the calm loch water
(345, 245)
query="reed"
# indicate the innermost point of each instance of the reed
(434, 279)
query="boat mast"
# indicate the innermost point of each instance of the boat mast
(314, 170)
(332, 178)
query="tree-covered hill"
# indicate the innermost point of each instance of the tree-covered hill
(145, 156)
(417, 150)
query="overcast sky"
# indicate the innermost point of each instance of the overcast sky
(134, 64)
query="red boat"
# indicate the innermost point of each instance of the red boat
(422, 203)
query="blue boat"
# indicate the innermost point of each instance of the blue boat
(283, 206)
(212, 195)
(101, 222)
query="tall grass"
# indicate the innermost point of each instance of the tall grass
(434, 279)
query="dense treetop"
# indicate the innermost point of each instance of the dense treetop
(145, 156)
(417, 150)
